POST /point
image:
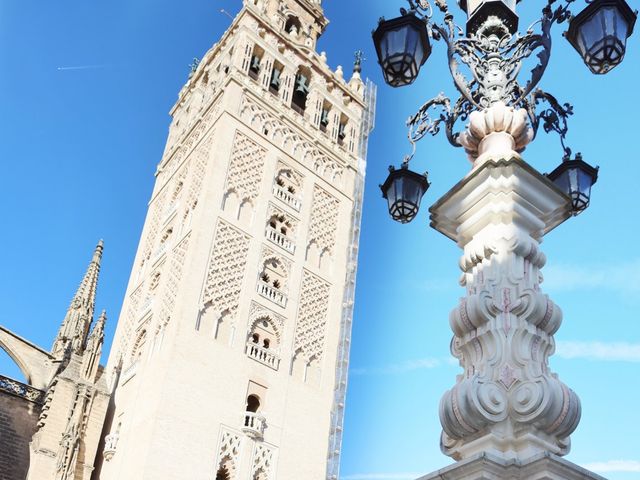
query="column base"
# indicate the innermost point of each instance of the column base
(544, 466)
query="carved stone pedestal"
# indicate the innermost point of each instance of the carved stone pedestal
(487, 467)
(508, 417)
(507, 403)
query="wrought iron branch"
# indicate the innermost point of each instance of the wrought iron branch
(419, 7)
(553, 119)
(423, 123)
(493, 56)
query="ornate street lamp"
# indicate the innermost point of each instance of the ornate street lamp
(575, 178)
(599, 33)
(404, 190)
(507, 415)
(403, 46)
(495, 56)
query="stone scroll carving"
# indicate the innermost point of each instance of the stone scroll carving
(507, 401)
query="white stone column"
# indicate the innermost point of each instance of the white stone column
(507, 404)
(288, 84)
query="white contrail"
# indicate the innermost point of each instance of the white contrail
(81, 67)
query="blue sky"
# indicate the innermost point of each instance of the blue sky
(85, 88)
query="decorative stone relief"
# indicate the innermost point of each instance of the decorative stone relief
(174, 274)
(157, 210)
(324, 220)
(177, 151)
(263, 462)
(246, 168)
(133, 303)
(229, 451)
(200, 164)
(226, 269)
(290, 141)
(312, 317)
(507, 402)
(503, 338)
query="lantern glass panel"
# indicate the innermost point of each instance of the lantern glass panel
(600, 34)
(403, 46)
(404, 190)
(403, 53)
(575, 178)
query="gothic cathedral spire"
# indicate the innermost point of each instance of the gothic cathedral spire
(75, 326)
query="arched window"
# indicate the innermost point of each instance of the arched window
(293, 25)
(301, 90)
(276, 78)
(155, 281)
(253, 404)
(273, 273)
(255, 66)
(324, 116)
(138, 347)
(263, 342)
(177, 190)
(280, 224)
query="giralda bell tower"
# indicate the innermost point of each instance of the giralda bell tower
(231, 351)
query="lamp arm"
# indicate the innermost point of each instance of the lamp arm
(423, 122)
(465, 48)
(553, 119)
(529, 43)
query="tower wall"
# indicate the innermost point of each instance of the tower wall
(224, 361)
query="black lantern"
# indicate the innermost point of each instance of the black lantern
(575, 178)
(599, 33)
(404, 190)
(403, 46)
